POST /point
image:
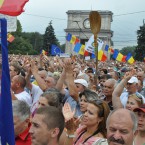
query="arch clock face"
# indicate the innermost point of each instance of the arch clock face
(86, 23)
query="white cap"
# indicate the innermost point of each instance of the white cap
(133, 80)
(82, 82)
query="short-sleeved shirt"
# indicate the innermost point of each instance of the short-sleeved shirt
(24, 96)
(74, 104)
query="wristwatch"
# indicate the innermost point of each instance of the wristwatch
(70, 135)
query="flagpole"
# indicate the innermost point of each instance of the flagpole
(95, 24)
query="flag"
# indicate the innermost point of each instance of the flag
(82, 50)
(43, 52)
(6, 117)
(90, 44)
(68, 37)
(111, 50)
(106, 47)
(86, 53)
(72, 38)
(115, 54)
(101, 56)
(118, 56)
(124, 58)
(129, 58)
(77, 47)
(55, 50)
(12, 7)
(10, 37)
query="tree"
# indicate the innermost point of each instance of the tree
(49, 38)
(128, 49)
(140, 49)
(21, 46)
(34, 38)
(62, 47)
(18, 30)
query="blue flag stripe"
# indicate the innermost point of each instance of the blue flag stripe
(6, 117)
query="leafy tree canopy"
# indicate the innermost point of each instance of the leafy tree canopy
(49, 38)
(140, 49)
(128, 49)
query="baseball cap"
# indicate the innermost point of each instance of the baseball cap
(133, 80)
(82, 82)
(142, 108)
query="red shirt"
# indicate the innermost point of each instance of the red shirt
(24, 138)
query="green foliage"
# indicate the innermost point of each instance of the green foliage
(18, 30)
(140, 49)
(35, 39)
(49, 38)
(62, 47)
(128, 49)
(32, 42)
(21, 46)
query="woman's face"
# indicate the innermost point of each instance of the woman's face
(131, 104)
(83, 104)
(91, 116)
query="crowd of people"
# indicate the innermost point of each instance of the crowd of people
(56, 101)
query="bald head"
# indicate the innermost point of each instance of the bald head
(121, 127)
(140, 75)
(123, 115)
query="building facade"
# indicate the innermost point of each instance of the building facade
(78, 25)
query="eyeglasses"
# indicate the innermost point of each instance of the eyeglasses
(129, 84)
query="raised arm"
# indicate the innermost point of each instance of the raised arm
(61, 80)
(118, 91)
(70, 79)
(42, 84)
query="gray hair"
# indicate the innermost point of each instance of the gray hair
(132, 115)
(53, 96)
(113, 81)
(89, 95)
(20, 109)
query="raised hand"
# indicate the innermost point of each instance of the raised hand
(67, 112)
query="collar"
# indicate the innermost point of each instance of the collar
(24, 134)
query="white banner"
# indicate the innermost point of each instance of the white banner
(90, 44)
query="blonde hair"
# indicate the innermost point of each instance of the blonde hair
(137, 99)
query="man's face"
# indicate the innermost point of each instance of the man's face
(120, 130)
(140, 76)
(80, 87)
(108, 88)
(131, 88)
(141, 120)
(39, 131)
(19, 126)
(50, 82)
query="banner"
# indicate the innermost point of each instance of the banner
(90, 44)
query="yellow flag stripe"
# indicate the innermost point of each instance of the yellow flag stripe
(1, 3)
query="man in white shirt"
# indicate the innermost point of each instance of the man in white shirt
(18, 84)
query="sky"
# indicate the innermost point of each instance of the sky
(128, 16)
